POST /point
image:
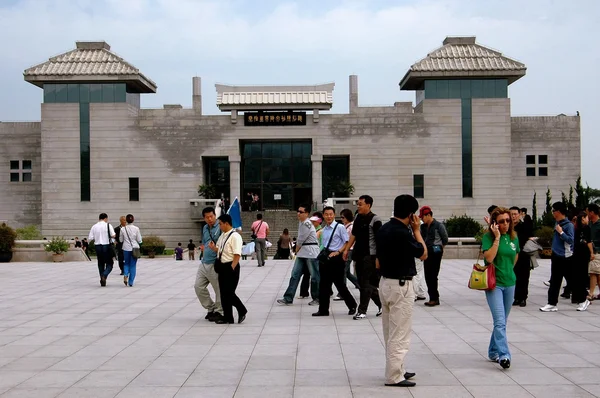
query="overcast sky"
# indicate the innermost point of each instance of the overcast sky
(309, 42)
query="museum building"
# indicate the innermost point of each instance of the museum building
(456, 148)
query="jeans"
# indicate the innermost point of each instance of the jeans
(432, 270)
(368, 279)
(130, 266)
(500, 301)
(299, 265)
(260, 247)
(105, 260)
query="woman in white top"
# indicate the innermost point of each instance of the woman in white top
(131, 238)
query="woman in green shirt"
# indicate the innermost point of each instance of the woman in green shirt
(500, 247)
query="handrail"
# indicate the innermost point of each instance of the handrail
(39, 242)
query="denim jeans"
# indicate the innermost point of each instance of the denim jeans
(130, 266)
(313, 267)
(500, 301)
(105, 260)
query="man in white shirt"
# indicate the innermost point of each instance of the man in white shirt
(102, 233)
(227, 264)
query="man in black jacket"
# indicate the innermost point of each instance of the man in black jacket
(436, 238)
(524, 231)
(119, 246)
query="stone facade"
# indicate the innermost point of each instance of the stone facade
(166, 148)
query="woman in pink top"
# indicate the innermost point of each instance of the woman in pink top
(260, 233)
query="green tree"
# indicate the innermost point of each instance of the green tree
(571, 203)
(534, 210)
(547, 217)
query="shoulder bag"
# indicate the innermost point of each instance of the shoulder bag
(483, 277)
(111, 248)
(219, 266)
(135, 251)
(254, 236)
(324, 254)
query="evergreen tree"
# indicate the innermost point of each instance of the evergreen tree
(534, 211)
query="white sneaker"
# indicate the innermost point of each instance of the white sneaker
(549, 308)
(314, 302)
(583, 306)
(547, 283)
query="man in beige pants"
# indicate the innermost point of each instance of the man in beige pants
(397, 248)
(206, 271)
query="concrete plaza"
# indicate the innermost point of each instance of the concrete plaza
(62, 335)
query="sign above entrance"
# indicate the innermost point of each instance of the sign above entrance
(274, 118)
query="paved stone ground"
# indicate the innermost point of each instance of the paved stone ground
(63, 335)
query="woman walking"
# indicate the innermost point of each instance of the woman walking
(583, 251)
(283, 245)
(131, 238)
(500, 247)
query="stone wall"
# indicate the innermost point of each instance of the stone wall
(555, 136)
(20, 202)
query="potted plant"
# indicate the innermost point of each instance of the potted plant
(7, 242)
(57, 246)
(152, 246)
(207, 191)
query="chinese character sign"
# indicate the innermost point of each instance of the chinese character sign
(274, 118)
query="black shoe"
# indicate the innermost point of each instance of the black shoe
(121, 273)
(320, 314)
(379, 312)
(409, 375)
(352, 311)
(523, 303)
(516, 302)
(242, 318)
(505, 363)
(209, 315)
(221, 321)
(420, 298)
(566, 295)
(432, 303)
(103, 281)
(403, 383)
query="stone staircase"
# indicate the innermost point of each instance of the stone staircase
(277, 220)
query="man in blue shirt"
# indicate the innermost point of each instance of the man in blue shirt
(206, 271)
(562, 252)
(332, 266)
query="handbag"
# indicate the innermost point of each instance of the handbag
(323, 255)
(254, 236)
(111, 248)
(483, 277)
(135, 251)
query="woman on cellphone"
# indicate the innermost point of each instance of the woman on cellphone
(500, 247)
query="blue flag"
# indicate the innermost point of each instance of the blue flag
(235, 212)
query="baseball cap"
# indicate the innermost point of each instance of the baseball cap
(425, 210)
(315, 218)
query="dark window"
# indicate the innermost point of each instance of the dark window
(217, 173)
(419, 186)
(467, 148)
(14, 177)
(14, 165)
(49, 93)
(27, 165)
(530, 159)
(543, 172)
(531, 172)
(134, 189)
(84, 152)
(336, 176)
(26, 177)
(543, 159)
(61, 93)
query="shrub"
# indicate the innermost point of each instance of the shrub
(30, 232)
(153, 244)
(462, 227)
(544, 235)
(7, 238)
(92, 248)
(57, 245)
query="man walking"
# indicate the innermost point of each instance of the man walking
(523, 266)
(307, 249)
(191, 250)
(260, 234)
(332, 267)
(102, 233)
(120, 254)
(227, 263)
(206, 270)
(562, 251)
(436, 238)
(366, 225)
(396, 252)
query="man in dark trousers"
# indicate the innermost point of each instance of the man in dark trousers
(366, 225)
(523, 266)
(436, 238)
(332, 266)
(102, 233)
(399, 242)
(120, 254)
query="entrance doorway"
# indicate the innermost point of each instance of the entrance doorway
(280, 172)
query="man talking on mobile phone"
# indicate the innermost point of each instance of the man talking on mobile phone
(398, 243)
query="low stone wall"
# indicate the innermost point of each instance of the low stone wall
(38, 254)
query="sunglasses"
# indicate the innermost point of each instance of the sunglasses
(503, 221)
